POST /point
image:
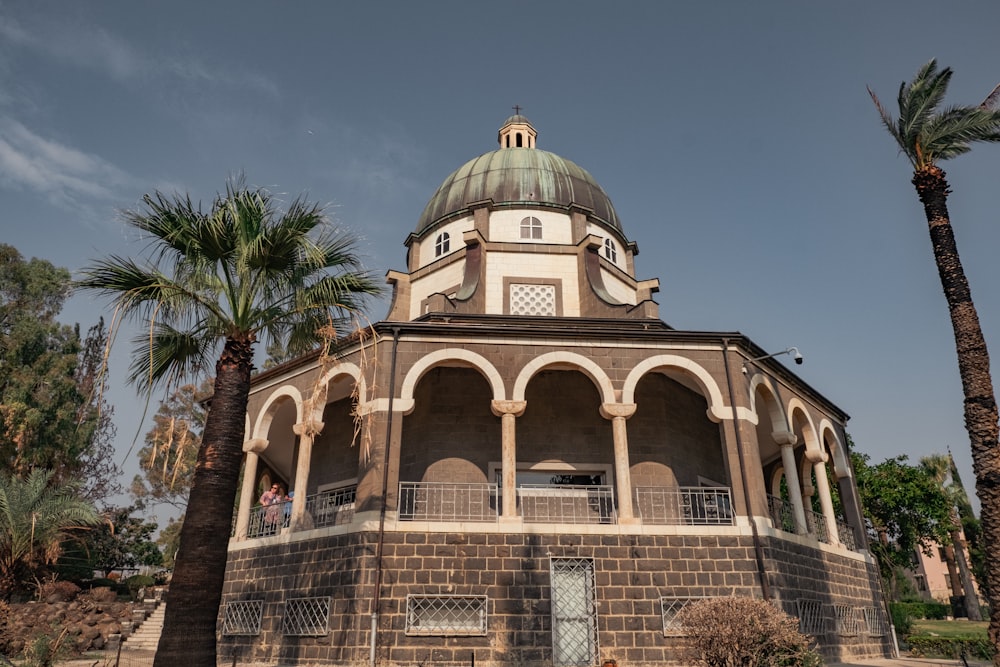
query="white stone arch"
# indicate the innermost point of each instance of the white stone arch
(351, 370)
(809, 433)
(838, 453)
(587, 366)
(271, 406)
(775, 482)
(710, 390)
(775, 413)
(437, 358)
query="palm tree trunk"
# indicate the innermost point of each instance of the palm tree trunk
(974, 369)
(971, 599)
(189, 625)
(954, 581)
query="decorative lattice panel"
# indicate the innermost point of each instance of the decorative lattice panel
(873, 619)
(243, 617)
(848, 620)
(810, 613)
(532, 299)
(670, 607)
(306, 617)
(446, 615)
(574, 612)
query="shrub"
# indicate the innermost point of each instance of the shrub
(57, 591)
(930, 610)
(137, 582)
(746, 632)
(951, 647)
(100, 595)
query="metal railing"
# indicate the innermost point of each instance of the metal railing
(784, 519)
(684, 505)
(332, 508)
(268, 520)
(544, 503)
(445, 501)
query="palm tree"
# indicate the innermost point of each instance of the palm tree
(36, 518)
(213, 283)
(927, 134)
(939, 467)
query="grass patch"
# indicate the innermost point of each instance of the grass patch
(965, 629)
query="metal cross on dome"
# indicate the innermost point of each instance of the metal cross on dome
(517, 109)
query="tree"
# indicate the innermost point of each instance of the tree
(123, 541)
(939, 467)
(926, 135)
(171, 451)
(97, 469)
(36, 517)
(241, 271)
(904, 508)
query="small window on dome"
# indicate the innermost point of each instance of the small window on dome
(519, 140)
(442, 244)
(610, 251)
(531, 228)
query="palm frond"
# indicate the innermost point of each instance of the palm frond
(166, 355)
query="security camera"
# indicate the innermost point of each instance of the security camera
(796, 355)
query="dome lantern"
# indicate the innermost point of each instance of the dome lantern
(517, 132)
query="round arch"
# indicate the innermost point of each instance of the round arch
(710, 390)
(274, 401)
(760, 382)
(838, 453)
(587, 366)
(437, 358)
(351, 370)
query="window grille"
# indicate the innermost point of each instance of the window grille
(670, 607)
(847, 620)
(873, 619)
(531, 228)
(442, 244)
(306, 617)
(810, 613)
(532, 299)
(243, 617)
(446, 615)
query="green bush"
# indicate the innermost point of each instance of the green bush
(137, 582)
(901, 618)
(932, 611)
(925, 646)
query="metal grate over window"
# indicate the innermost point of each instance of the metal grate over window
(306, 617)
(873, 619)
(810, 613)
(243, 617)
(670, 607)
(446, 615)
(574, 612)
(848, 620)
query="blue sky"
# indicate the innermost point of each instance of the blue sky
(736, 140)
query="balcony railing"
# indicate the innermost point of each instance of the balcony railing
(544, 503)
(684, 505)
(444, 501)
(269, 520)
(332, 508)
(783, 516)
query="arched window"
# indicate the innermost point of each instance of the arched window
(442, 244)
(531, 228)
(610, 251)
(519, 140)
(508, 140)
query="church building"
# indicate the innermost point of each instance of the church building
(523, 464)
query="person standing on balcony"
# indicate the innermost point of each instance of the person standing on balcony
(271, 501)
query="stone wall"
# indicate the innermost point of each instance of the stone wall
(631, 573)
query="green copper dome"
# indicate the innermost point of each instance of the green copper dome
(514, 177)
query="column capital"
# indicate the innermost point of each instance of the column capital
(515, 408)
(255, 445)
(817, 456)
(784, 438)
(308, 428)
(612, 410)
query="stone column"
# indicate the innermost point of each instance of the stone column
(508, 411)
(618, 413)
(819, 459)
(307, 431)
(787, 443)
(252, 448)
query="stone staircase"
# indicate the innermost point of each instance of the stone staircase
(146, 634)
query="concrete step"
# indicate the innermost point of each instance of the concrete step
(147, 635)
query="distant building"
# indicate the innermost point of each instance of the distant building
(936, 577)
(522, 464)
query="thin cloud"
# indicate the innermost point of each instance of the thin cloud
(66, 176)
